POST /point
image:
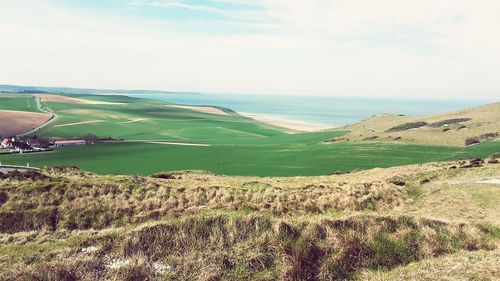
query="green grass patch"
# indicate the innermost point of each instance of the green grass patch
(292, 159)
(30, 248)
(18, 102)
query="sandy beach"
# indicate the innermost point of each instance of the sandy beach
(291, 125)
(205, 109)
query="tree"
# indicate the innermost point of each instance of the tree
(91, 138)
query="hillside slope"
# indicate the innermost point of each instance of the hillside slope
(451, 129)
(63, 224)
(146, 136)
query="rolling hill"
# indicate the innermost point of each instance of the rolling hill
(148, 136)
(372, 220)
(449, 129)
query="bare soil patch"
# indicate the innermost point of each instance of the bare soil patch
(18, 122)
(65, 99)
(134, 121)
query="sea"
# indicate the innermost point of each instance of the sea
(323, 111)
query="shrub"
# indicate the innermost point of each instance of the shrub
(448, 122)
(397, 180)
(488, 136)
(471, 141)
(23, 175)
(165, 176)
(406, 126)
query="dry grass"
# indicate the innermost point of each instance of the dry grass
(82, 201)
(461, 266)
(375, 224)
(460, 195)
(484, 119)
(231, 246)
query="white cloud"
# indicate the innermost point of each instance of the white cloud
(178, 4)
(342, 47)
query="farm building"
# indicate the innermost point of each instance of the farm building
(21, 146)
(61, 143)
(5, 143)
(39, 142)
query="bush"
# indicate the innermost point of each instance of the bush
(488, 136)
(448, 122)
(471, 141)
(406, 126)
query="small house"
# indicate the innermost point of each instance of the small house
(5, 143)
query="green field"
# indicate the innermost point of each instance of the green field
(237, 145)
(18, 102)
(157, 122)
(292, 159)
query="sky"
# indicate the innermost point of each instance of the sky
(386, 48)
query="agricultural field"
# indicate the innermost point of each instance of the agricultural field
(20, 113)
(18, 102)
(282, 159)
(149, 136)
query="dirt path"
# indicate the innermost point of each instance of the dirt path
(371, 129)
(78, 123)
(476, 181)
(44, 110)
(134, 121)
(178, 143)
(165, 143)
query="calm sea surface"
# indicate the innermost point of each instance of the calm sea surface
(324, 111)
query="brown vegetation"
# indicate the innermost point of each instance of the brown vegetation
(406, 126)
(237, 247)
(64, 224)
(82, 201)
(483, 137)
(448, 122)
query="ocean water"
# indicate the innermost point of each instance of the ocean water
(322, 111)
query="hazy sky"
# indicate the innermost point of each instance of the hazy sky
(405, 48)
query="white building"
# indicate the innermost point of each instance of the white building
(61, 143)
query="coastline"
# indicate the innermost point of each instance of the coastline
(287, 124)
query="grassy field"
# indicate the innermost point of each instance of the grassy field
(139, 119)
(18, 103)
(237, 145)
(279, 159)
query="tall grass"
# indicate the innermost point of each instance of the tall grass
(252, 247)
